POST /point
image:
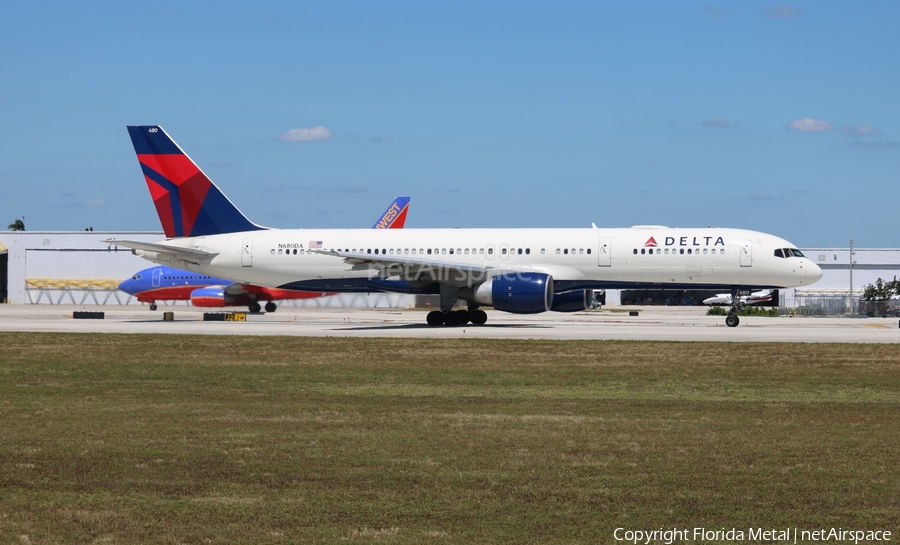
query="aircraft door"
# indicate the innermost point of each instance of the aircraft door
(504, 251)
(746, 253)
(490, 251)
(247, 253)
(604, 249)
(157, 277)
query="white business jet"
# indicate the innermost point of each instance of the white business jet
(725, 299)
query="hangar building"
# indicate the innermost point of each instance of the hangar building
(78, 267)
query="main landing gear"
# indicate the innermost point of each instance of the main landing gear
(255, 307)
(456, 317)
(152, 306)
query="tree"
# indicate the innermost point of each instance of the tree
(18, 225)
(882, 290)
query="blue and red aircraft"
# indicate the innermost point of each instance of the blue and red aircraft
(169, 284)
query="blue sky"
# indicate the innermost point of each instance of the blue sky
(777, 117)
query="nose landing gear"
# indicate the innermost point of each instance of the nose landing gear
(737, 305)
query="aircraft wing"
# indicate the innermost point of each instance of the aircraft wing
(417, 269)
(189, 255)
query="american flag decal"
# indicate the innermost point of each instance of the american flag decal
(315, 244)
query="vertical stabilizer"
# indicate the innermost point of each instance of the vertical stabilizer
(188, 203)
(395, 216)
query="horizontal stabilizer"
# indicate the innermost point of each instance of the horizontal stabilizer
(189, 255)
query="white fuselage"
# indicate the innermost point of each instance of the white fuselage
(656, 257)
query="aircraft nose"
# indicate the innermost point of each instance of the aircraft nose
(813, 273)
(125, 285)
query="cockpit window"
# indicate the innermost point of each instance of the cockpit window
(796, 252)
(136, 277)
(779, 253)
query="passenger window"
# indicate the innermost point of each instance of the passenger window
(273, 251)
(681, 251)
(527, 251)
(667, 251)
(580, 251)
(558, 251)
(451, 251)
(467, 251)
(520, 251)
(502, 251)
(635, 250)
(589, 251)
(490, 251)
(444, 251)
(429, 251)
(543, 251)
(481, 251)
(643, 250)
(704, 251)
(566, 251)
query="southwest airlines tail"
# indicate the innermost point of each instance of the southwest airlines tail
(188, 203)
(395, 216)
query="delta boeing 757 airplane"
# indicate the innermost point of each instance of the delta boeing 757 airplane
(522, 271)
(169, 284)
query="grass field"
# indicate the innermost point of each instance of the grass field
(192, 439)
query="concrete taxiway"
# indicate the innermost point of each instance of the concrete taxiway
(652, 323)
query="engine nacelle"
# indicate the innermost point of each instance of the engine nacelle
(573, 301)
(211, 296)
(515, 292)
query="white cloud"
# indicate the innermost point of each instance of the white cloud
(885, 144)
(860, 129)
(713, 10)
(305, 135)
(717, 123)
(783, 12)
(809, 125)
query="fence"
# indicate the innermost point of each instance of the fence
(819, 305)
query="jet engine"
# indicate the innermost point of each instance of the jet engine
(215, 296)
(515, 292)
(573, 301)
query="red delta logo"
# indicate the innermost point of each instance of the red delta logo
(651, 243)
